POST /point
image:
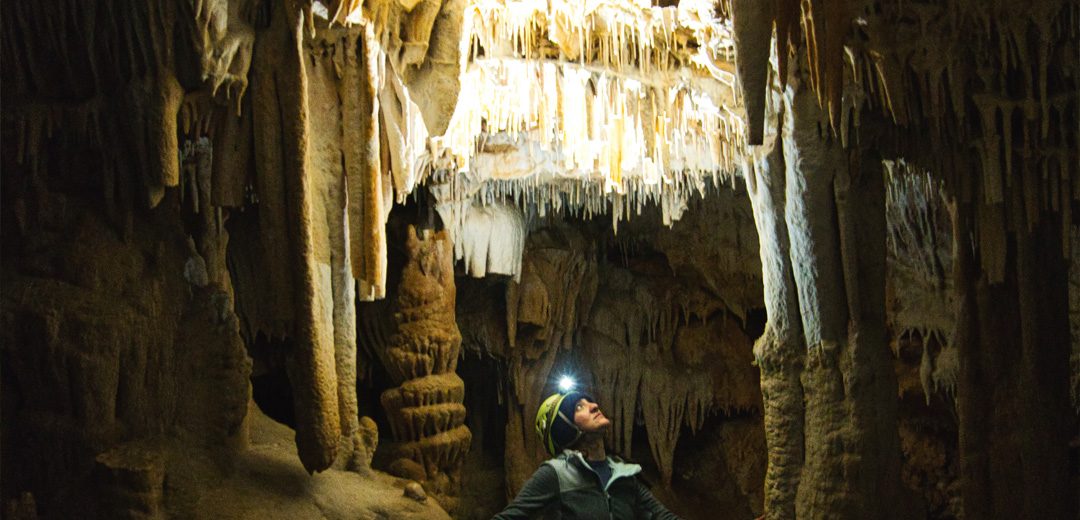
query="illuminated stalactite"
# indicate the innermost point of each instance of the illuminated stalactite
(425, 411)
(612, 105)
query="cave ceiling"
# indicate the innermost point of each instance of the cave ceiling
(596, 107)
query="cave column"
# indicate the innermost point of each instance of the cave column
(780, 351)
(868, 369)
(287, 191)
(836, 223)
(827, 380)
(811, 162)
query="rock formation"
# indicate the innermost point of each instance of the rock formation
(425, 408)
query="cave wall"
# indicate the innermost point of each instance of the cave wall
(126, 151)
(121, 345)
(991, 117)
(115, 349)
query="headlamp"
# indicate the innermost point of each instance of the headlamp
(566, 384)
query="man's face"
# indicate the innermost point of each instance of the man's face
(589, 418)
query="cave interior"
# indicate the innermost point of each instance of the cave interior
(325, 258)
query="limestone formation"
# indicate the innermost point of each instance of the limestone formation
(132, 479)
(425, 410)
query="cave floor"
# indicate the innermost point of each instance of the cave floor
(267, 481)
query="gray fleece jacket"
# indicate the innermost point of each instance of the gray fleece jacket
(566, 488)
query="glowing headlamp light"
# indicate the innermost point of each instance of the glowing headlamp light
(566, 384)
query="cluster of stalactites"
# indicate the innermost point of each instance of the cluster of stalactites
(986, 93)
(612, 35)
(920, 251)
(110, 83)
(541, 195)
(558, 134)
(564, 98)
(1012, 106)
(586, 123)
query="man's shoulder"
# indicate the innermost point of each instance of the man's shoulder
(560, 461)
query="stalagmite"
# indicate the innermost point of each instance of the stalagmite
(425, 411)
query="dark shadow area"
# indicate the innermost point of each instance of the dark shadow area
(483, 477)
(270, 387)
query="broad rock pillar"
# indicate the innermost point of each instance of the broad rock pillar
(826, 372)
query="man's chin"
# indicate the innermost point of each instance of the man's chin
(597, 427)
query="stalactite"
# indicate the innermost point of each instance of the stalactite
(753, 37)
(488, 239)
(311, 364)
(364, 168)
(232, 170)
(402, 127)
(919, 248)
(643, 355)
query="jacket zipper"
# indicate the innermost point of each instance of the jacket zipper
(604, 488)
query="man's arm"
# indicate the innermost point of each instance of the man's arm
(541, 489)
(647, 503)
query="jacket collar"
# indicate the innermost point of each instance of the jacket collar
(619, 468)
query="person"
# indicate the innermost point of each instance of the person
(581, 482)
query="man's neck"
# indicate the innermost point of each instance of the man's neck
(592, 447)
